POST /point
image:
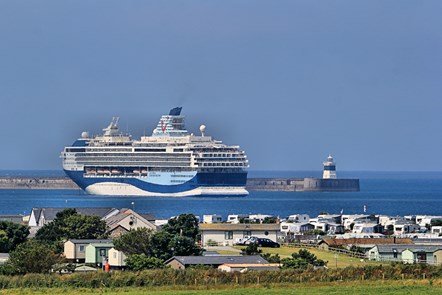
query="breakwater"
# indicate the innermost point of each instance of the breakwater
(303, 185)
(15, 182)
(253, 184)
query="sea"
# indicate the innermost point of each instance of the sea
(386, 193)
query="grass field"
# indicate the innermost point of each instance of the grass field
(366, 287)
(340, 260)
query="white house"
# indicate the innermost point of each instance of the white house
(301, 218)
(235, 218)
(423, 220)
(212, 218)
(117, 259)
(405, 227)
(226, 233)
(436, 230)
(367, 228)
(296, 227)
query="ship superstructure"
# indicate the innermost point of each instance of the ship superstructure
(171, 162)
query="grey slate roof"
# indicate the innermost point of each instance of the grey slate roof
(50, 213)
(114, 220)
(89, 241)
(218, 260)
(400, 248)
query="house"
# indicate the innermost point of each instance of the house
(42, 216)
(436, 230)
(334, 229)
(212, 218)
(330, 218)
(98, 253)
(3, 258)
(182, 262)
(405, 227)
(258, 217)
(319, 225)
(246, 267)
(116, 259)
(296, 227)
(369, 243)
(226, 233)
(235, 218)
(127, 219)
(302, 218)
(423, 220)
(75, 249)
(367, 228)
(437, 256)
(347, 220)
(388, 220)
(388, 252)
(420, 254)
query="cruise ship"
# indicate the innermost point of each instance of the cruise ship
(171, 162)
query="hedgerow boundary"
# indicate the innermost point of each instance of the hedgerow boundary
(213, 277)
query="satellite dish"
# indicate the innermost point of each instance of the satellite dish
(203, 129)
(84, 134)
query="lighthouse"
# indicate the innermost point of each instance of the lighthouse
(329, 168)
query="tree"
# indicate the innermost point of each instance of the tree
(67, 224)
(136, 241)
(271, 258)
(160, 244)
(302, 260)
(139, 262)
(183, 225)
(183, 246)
(11, 235)
(32, 257)
(251, 249)
(270, 220)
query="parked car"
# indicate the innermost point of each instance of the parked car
(267, 243)
(246, 240)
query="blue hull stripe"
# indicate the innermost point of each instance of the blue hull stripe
(200, 180)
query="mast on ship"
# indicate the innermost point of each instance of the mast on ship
(329, 168)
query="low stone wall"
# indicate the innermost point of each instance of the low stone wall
(37, 183)
(253, 184)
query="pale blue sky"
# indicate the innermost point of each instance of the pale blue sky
(288, 81)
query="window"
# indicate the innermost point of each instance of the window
(102, 252)
(81, 248)
(228, 235)
(115, 255)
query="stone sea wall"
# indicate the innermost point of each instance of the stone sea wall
(253, 184)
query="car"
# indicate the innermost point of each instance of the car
(246, 240)
(266, 243)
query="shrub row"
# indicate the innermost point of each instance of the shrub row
(214, 277)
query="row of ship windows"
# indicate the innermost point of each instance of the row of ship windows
(177, 181)
(133, 163)
(132, 155)
(222, 155)
(222, 164)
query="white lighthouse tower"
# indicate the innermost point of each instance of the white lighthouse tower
(329, 168)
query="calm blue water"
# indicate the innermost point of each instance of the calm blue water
(392, 193)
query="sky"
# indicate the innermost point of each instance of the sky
(288, 81)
